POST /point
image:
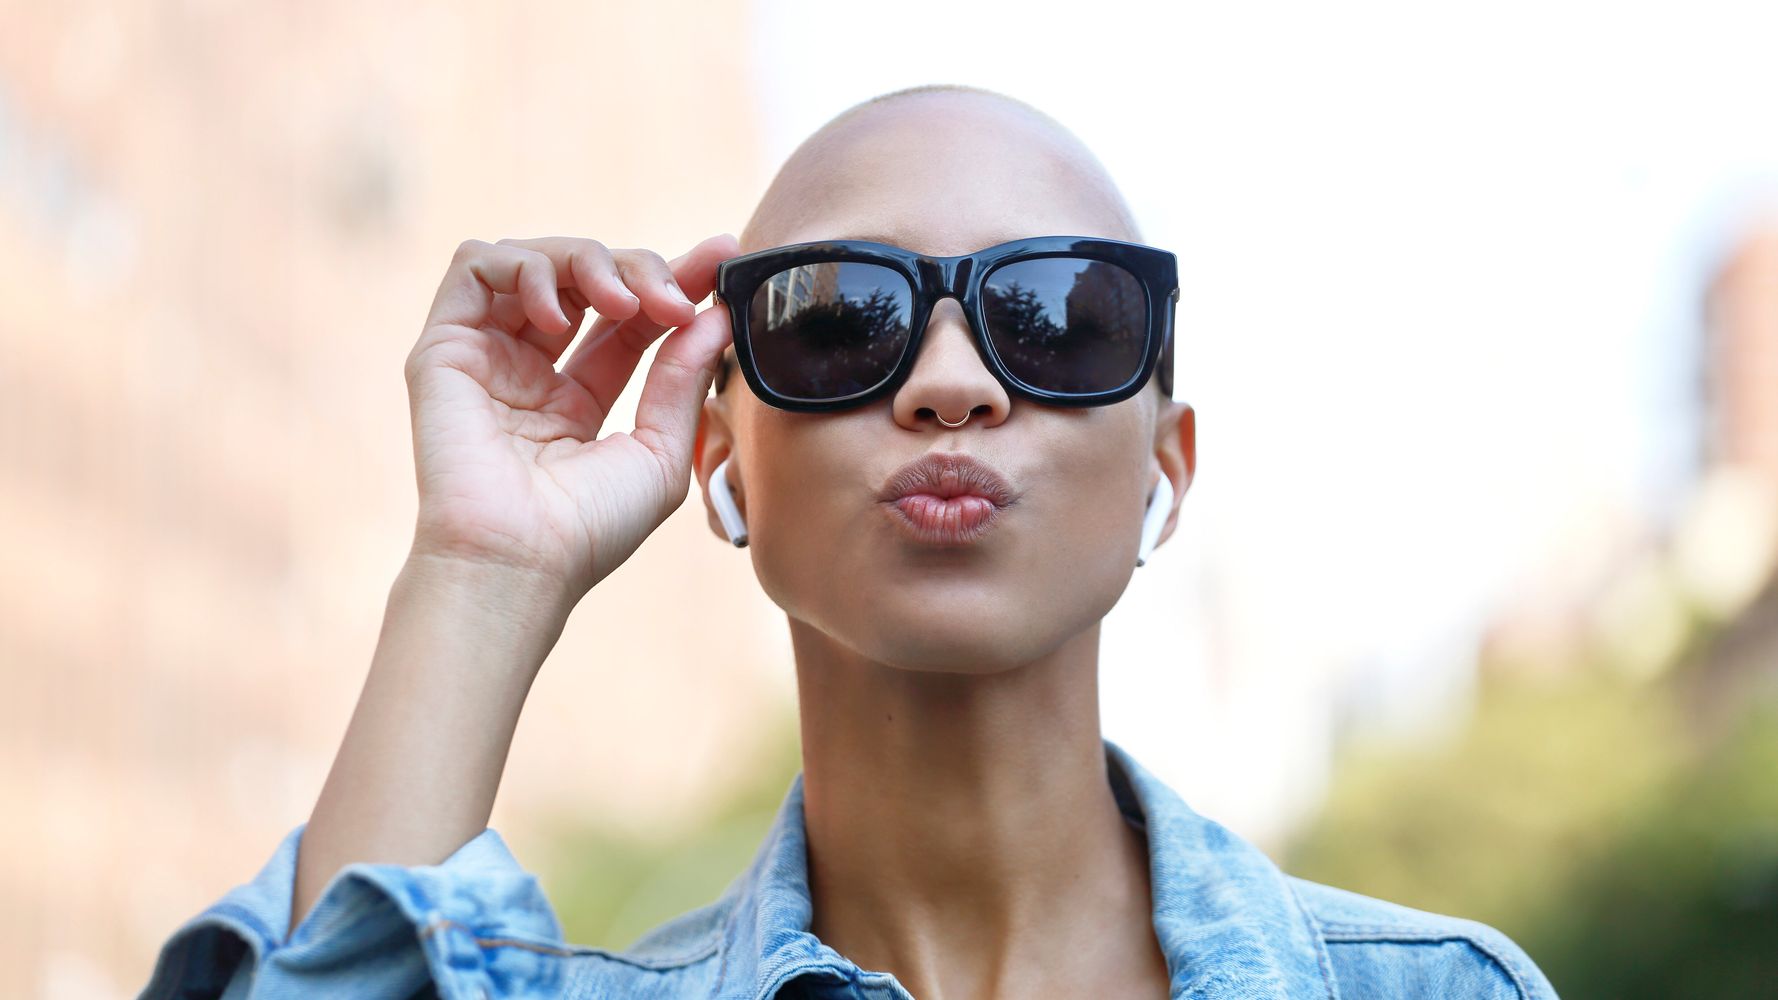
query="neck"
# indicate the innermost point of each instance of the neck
(961, 827)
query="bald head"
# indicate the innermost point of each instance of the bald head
(933, 163)
(940, 169)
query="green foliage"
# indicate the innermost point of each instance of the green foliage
(1628, 846)
(609, 888)
(1629, 851)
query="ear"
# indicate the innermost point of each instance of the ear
(714, 442)
(1176, 450)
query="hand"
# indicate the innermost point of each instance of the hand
(510, 466)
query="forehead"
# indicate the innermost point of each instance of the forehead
(941, 177)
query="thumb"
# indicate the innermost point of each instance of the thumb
(678, 381)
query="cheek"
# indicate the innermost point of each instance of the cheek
(824, 552)
(808, 498)
(1078, 545)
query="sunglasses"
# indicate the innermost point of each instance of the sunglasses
(1063, 320)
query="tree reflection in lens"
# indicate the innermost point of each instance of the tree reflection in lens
(822, 331)
(1088, 338)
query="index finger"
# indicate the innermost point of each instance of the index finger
(586, 265)
(695, 273)
(607, 356)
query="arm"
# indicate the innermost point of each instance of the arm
(396, 884)
(416, 774)
(523, 509)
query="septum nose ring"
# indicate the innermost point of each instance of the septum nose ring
(947, 423)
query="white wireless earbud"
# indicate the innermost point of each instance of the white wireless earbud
(1159, 506)
(732, 521)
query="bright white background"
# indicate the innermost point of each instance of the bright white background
(1439, 274)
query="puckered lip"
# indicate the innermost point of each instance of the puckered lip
(946, 475)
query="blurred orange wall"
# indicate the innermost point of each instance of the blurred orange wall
(220, 228)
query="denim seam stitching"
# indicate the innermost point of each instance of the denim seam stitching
(1358, 933)
(705, 946)
(794, 970)
(430, 926)
(434, 926)
(356, 910)
(1322, 960)
(724, 942)
(248, 918)
(564, 950)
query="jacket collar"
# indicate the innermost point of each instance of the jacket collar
(1224, 915)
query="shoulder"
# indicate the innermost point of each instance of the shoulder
(477, 924)
(508, 924)
(1379, 948)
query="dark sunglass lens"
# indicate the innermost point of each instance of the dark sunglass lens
(829, 330)
(1066, 324)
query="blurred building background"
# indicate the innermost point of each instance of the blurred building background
(1612, 796)
(220, 228)
(1473, 604)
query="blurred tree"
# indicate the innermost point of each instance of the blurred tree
(1631, 851)
(609, 888)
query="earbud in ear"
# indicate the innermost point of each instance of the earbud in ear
(732, 521)
(1160, 504)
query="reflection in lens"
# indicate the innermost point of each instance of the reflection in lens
(827, 330)
(1067, 324)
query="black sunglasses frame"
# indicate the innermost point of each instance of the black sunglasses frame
(932, 278)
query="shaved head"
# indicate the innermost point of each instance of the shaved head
(901, 135)
(940, 169)
(942, 172)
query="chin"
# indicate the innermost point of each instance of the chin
(957, 636)
(932, 654)
(942, 612)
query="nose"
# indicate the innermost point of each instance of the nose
(949, 379)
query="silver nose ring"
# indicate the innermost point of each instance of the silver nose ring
(947, 423)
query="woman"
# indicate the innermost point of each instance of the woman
(944, 524)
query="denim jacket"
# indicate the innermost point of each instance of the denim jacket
(477, 927)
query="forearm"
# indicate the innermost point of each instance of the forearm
(421, 760)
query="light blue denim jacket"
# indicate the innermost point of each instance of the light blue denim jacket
(477, 926)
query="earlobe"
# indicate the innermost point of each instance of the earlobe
(1176, 451)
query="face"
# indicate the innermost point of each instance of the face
(944, 174)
